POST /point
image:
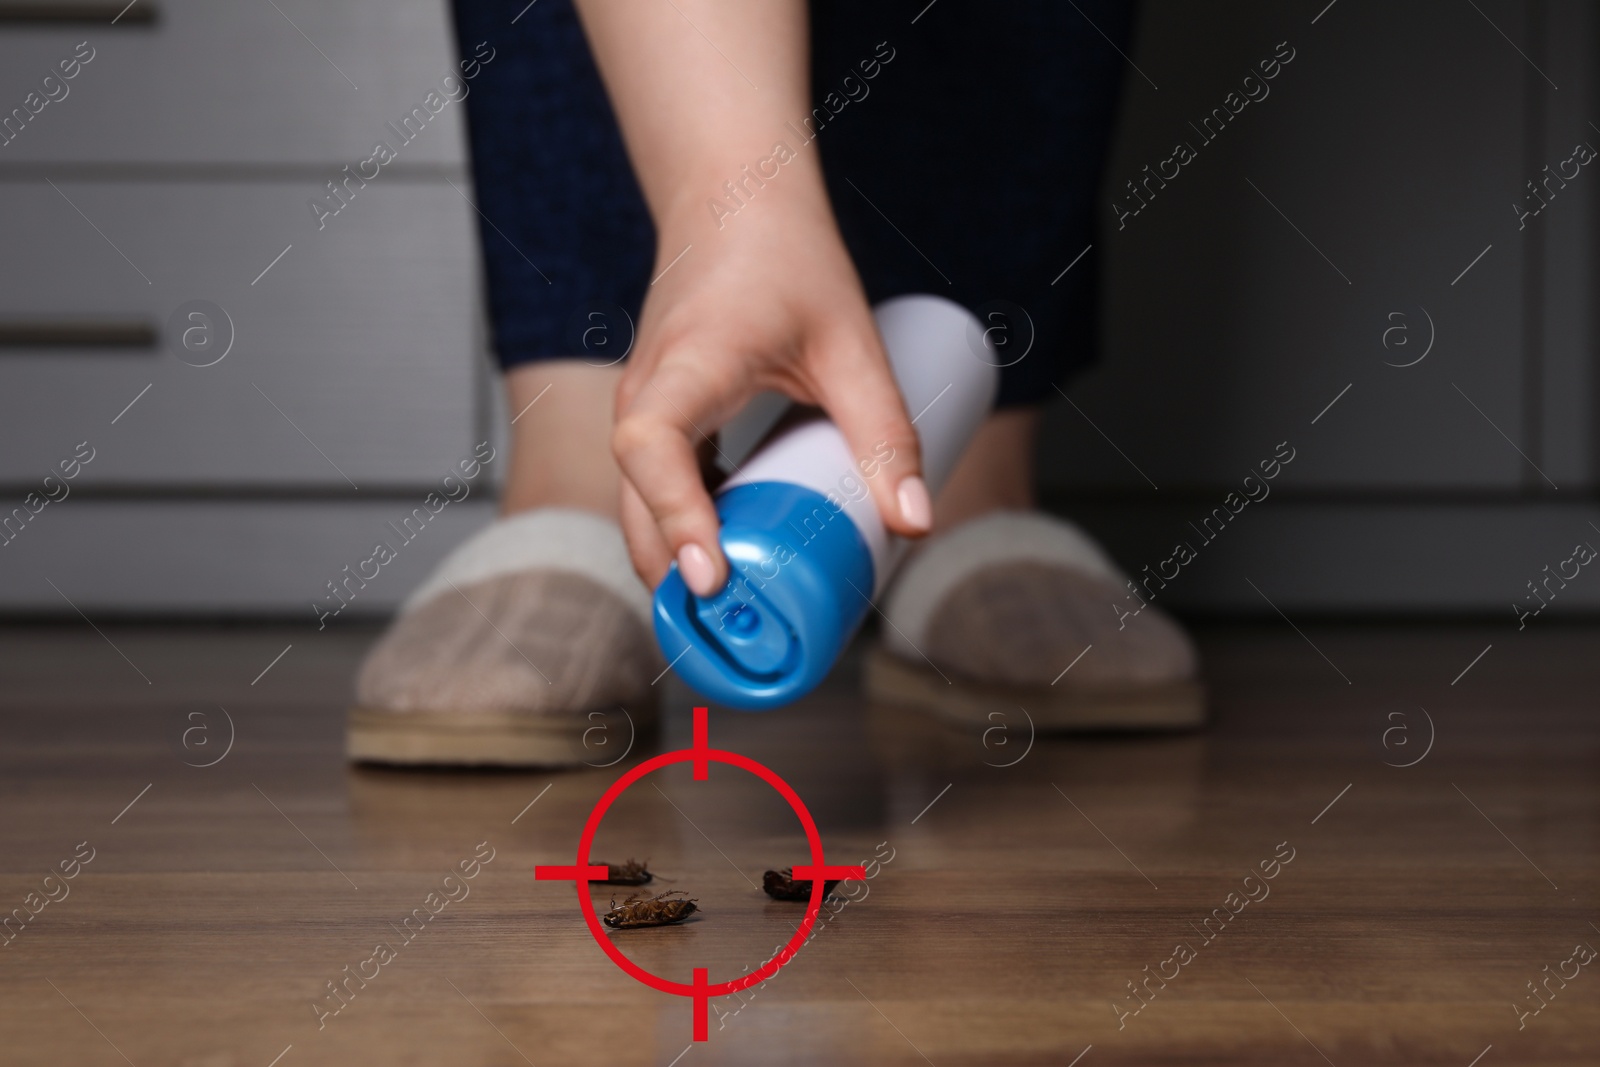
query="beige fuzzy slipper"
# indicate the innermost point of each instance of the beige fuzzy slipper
(1020, 609)
(528, 636)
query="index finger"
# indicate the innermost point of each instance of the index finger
(655, 445)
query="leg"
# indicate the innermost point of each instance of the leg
(532, 638)
(995, 474)
(561, 445)
(995, 609)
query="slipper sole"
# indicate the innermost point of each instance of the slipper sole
(1054, 708)
(498, 739)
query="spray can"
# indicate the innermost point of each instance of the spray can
(807, 552)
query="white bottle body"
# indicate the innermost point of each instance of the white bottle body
(946, 372)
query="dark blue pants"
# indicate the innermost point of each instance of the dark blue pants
(962, 152)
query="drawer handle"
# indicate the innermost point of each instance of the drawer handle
(105, 333)
(40, 12)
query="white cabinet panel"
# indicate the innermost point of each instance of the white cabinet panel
(211, 82)
(361, 333)
(226, 557)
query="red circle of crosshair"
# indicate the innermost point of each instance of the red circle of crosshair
(700, 989)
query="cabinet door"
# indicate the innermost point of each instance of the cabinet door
(283, 83)
(353, 355)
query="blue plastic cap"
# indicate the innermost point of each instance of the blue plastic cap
(800, 575)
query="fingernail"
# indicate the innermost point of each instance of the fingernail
(699, 574)
(915, 507)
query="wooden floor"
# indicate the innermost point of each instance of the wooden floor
(1017, 904)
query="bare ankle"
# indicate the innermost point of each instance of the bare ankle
(995, 473)
(561, 414)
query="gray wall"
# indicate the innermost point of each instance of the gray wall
(1253, 289)
(1259, 284)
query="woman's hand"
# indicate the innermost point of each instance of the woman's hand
(763, 299)
(770, 301)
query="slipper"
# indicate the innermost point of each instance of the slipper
(526, 637)
(1020, 609)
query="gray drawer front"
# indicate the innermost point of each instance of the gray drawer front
(362, 333)
(225, 557)
(233, 83)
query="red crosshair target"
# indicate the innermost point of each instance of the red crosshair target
(700, 989)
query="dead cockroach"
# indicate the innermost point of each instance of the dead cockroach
(661, 910)
(631, 873)
(782, 885)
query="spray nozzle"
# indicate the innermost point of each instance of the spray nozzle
(746, 631)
